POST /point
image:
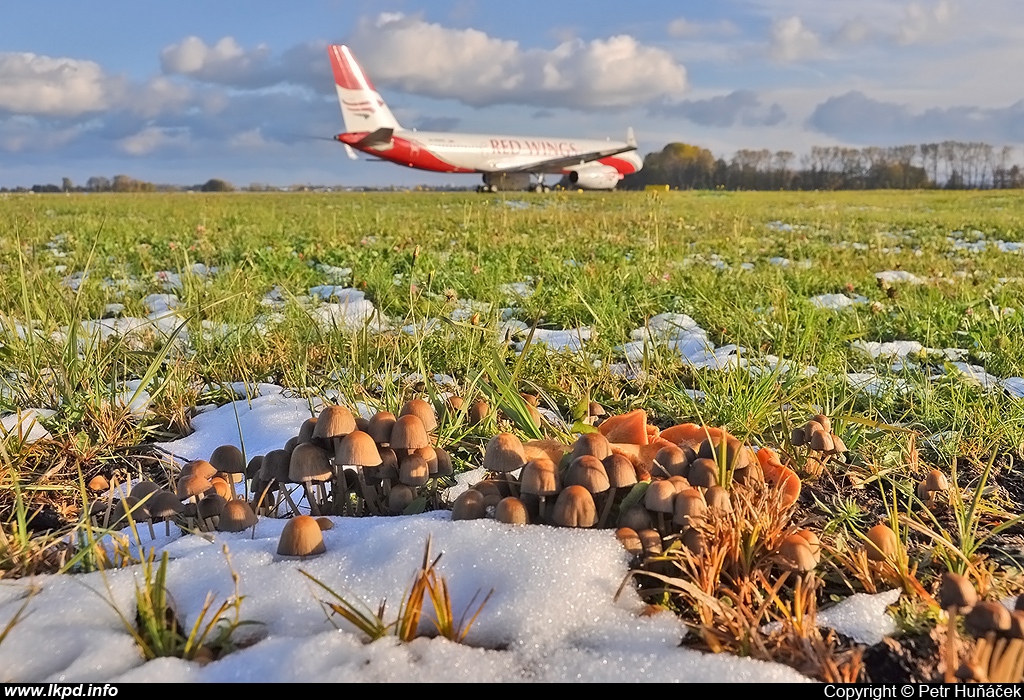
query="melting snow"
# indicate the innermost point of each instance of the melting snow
(837, 301)
(26, 424)
(898, 276)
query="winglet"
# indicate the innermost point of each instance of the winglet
(351, 153)
(630, 137)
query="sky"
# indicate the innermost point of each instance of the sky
(191, 90)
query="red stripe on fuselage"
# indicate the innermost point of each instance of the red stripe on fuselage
(623, 166)
(404, 152)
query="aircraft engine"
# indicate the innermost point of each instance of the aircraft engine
(601, 177)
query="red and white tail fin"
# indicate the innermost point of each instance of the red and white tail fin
(361, 105)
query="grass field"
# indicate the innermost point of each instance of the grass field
(476, 287)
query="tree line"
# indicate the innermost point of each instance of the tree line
(950, 164)
(121, 183)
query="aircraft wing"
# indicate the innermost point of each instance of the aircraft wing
(556, 164)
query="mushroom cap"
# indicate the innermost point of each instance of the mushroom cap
(882, 543)
(629, 428)
(493, 491)
(275, 466)
(388, 467)
(838, 446)
(504, 453)
(651, 541)
(381, 425)
(718, 499)
(252, 470)
(986, 617)
(539, 478)
(400, 497)
(956, 592)
(334, 421)
(236, 516)
(429, 455)
(221, 487)
(413, 470)
(309, 463)
(703, 472)
(796, 554)
(290, 444)
(630, 541)
(812, 541)
(325, 524)
(164, 504)
(824, 421)
(409, 433)
(690, 508)
(588, 471)
(301, 537)
(478, 411)
(511, 511)
(357, 449)
(143, 489)
(199, 467)
(797, 437)
(422, 410)
(574, 508)
(596, 410)
(594, 444)
(620, 471)
(821, 441)
(306, 430)
(936, 481)
(679, 483)
(128, 504)
(212, 506)
(660, 497)
(673, 460)
(193, 485)
(469, 506)
(693, 539)
(444, 463)
(98, 483)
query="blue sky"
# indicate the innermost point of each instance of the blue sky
(190, 90)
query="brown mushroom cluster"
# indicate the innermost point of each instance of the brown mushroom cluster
(998, 652)
(348, 465)
(822, 445)
(204, 498)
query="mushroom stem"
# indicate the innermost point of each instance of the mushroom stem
(152, 533)
(369, 492)
(288, 497)
(607, 509)
(951, 664)
(540, 512)
(314, 509)
(167, 527)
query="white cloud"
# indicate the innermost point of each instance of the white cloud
(45, 86)
(921, 22)
(429, 59)
(151, 139)
(792, 41)
(682, 28)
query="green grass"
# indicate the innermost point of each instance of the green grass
(606, 261)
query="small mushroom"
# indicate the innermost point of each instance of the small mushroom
(511, 511)
(882, 543)
(301, 537)
(236, 516)
(796, 554)
(987, 616)
(574, 508)
(469, 506)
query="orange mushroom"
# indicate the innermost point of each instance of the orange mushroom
(630, 428)
(690, 434)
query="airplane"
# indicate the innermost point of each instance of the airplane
(506, 162)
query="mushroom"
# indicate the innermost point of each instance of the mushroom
(594, 444)
(718, 500)
(306, 430)
(630, 541)
(164, 504)
(812, 542)
(469, 506)
(796, 555)
(956, 594)
(98, 484)
(229, 459)
(301, 537)
(660, 499)
(309, 464)
(636, 517)
(934, 484)
(381, 425)
(200, 468)
(539, 478)
(574, 508)
(422, 410)
(672, 460)
(703, 473)
(883, 544)
(413, 470)
(408, 434)
(986, 617)
(650, 539)
(209, 510)
(399, 498)
(275, 469)
(504, 454)
(690, 509)
(357, 449)
(236, 516)
(478, 411)
(511, 511)
(325, 524)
